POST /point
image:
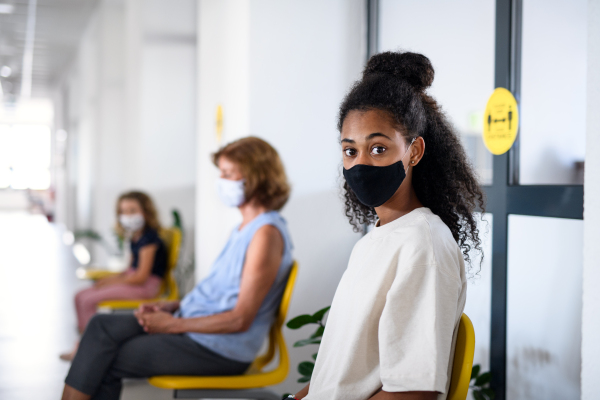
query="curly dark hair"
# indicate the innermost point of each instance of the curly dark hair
(444, 180)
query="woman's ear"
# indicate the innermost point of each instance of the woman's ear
(416, 151)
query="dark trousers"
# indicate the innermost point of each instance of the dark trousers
(114, 347)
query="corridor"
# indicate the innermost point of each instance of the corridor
(37, 320)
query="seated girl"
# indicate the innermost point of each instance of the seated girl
(219, 327)
(393, 322)
(137, 219)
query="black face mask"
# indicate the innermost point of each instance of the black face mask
(375, 185)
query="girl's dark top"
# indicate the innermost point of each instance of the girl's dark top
(150, 236)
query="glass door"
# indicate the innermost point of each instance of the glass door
(526, 301)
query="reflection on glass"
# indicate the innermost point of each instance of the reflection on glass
(458, 38)
(553, 91)
(544, 308)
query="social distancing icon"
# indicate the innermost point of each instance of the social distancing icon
(501, 122)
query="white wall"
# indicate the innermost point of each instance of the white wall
(167, 120)
(223, 75)
(590, 348)
(129, 110)
(280, 71)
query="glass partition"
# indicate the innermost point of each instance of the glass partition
(553, 91)
(544, 308)
(458, 38)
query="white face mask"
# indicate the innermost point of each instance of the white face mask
(230, 192)
(132, 223)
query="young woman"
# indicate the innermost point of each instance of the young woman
(137, 219)
(219, 327)
(393, 321)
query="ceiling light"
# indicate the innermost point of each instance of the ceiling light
(6, 8)
(5, 71)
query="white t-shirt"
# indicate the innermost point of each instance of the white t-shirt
(395, 314)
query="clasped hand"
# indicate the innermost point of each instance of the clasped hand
(154, 319)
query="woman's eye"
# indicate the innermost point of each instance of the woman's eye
(378, 150)
(349, 152)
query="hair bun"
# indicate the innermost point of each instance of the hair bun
(414, 68)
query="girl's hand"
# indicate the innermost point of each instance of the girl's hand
(303, 392)
(158, 322)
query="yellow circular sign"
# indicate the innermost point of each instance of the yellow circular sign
(500, 122)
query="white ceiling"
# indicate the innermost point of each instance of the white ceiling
(59, 26)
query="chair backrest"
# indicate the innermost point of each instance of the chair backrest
(275, 335)
(172, 239)
(462, 364)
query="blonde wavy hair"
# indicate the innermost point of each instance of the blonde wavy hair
(261, 167)
(148, 208)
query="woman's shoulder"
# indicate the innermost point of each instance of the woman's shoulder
(150, 236)
(433, 225)
(270, 218)
(422, 223)
(423, 239)
(435, 238)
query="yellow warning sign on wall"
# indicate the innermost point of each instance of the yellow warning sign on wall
(219, 123)
(500, 122)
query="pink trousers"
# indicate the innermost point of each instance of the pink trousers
(86, 301)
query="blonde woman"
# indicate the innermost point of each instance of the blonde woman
(137, 219)
(219, 327)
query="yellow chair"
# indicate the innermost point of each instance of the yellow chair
(250, 385)
(168, 289)
(463, 360)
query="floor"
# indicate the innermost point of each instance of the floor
(37, 320)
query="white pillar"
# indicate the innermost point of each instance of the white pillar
(223, 65)
(590, 346)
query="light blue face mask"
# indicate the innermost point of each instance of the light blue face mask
(231, 192)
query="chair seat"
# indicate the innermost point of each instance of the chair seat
(128, 304)
(95, 273)
(247, 381)
(247, 386)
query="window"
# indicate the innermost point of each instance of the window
(25, 157)
(458, 38)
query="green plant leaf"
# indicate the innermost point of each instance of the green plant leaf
(489, 393)
(318, 333)
(306, 368)
(176, 219)
(477, 395)
(483, 379)
(321, 313)
(87, 233)
(475, 371)
(304, 379)
(305, 342)
(314, 356)
(300, 321)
